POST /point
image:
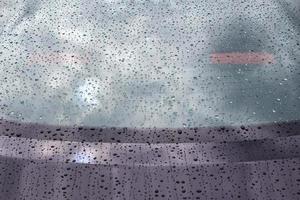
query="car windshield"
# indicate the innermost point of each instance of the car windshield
(150, 63)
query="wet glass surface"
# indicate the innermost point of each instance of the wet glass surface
(149, 63)
(149, 99)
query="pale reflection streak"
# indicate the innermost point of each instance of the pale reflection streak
(143, 154)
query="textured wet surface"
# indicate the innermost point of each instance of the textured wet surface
(247, 162)
(145, 100)
(148, 63)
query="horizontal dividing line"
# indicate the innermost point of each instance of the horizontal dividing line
(133, 135)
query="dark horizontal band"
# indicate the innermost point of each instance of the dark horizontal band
(149, 135)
